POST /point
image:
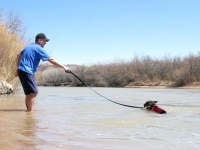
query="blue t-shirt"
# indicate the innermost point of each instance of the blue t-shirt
(31, 56)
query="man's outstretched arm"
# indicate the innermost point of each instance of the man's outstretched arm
(56, 63)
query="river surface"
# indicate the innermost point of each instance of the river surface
(71, 118)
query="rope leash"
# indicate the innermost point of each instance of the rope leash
(102, 95)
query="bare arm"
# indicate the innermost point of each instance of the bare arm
(19, 56)
(56, 63)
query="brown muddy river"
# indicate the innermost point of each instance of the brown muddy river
(79, 119)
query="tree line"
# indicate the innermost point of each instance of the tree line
(174, 72)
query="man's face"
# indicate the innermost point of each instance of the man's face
(41, 42)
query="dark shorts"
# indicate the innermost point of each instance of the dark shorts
(28, 82)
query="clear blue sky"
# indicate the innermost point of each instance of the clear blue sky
(102, 31)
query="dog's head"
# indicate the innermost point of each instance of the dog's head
(149, 104)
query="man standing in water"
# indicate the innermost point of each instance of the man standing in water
(27, 63)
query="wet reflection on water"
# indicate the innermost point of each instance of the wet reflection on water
(17, 129)
(76, 118)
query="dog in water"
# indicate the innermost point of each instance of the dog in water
(151, 105)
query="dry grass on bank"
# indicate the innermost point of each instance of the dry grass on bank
(12, 42)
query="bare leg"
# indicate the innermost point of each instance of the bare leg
(30, 101)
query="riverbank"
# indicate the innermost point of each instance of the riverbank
(194, 85)
(6, 88)
(168, 85)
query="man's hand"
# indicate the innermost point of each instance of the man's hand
(16, 73)
(67, 70)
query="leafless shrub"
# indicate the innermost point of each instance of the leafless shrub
(139, 70)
